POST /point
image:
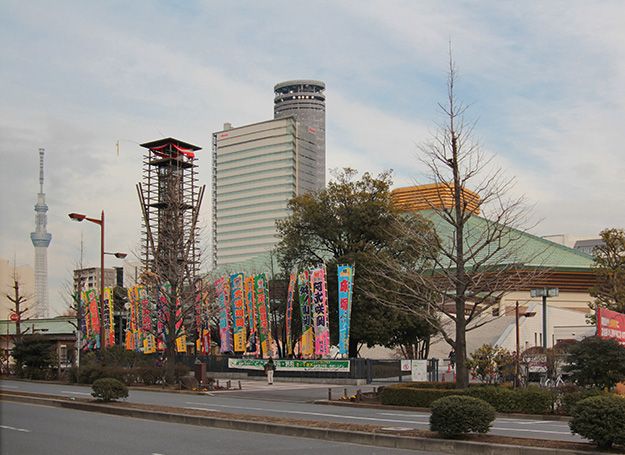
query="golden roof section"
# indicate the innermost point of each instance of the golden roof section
(434, 195)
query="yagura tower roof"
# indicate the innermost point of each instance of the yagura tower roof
(170, 141)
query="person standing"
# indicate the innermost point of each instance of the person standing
(270, 367)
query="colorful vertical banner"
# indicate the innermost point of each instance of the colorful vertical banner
(225, 335)
(261, 297)
(132, 323)
(250, 308)
(162, 316)
(94, 315)
(202, 318)
(289, 312)
(144, 305)
(181, 337)
(109, 319)
(320, 311)
(345, 282)
(307, 346)
(238, 311)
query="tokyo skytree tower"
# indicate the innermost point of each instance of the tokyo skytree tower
(41, 239)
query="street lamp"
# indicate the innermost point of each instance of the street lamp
(544, 293)
(100, 222)
(527, 314)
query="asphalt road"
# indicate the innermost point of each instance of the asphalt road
(261, 399)
(31, 429)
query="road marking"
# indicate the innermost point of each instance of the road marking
(4, 386)
(403, 415)
(532, 430)
(75, 393)
(23, 430)
(317, 414)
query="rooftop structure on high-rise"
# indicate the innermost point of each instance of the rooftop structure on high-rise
(41, 240)
(305, 100)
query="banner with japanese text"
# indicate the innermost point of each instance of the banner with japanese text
(109, 318)
(181, 338)
(238, 311)
(307, 347)
(94, 315)
(345, 283)
(611, 324)
(250, 312)
(146, 313)
(320, 311)
(261, 297)
(162, 315)
(225, 333)
(289, 312)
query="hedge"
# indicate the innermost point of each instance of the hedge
(531, 400)
(411, 396)
(505, 400)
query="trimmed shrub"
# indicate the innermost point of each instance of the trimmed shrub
(571, 395)
(456, 415)
(109, 389)
(409, 396)
(150, 375)
(600, 419)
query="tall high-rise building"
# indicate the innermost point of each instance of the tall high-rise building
(41, 240)
(258, 168)
(305, 100)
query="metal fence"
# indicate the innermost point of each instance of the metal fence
(368, 369)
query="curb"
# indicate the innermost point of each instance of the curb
(354, 437)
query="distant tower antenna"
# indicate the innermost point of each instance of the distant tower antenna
(41, 240)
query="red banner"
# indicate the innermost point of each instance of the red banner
(611, 324)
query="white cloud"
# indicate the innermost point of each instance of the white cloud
(544, 79)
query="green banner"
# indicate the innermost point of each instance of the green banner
(337, 365)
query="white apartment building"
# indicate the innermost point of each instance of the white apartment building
(255, 174)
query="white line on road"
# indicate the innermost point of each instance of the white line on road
(6, 427)
(531, 430)
(319, 414)
(404, 415)
(75, 393)
(4, 386)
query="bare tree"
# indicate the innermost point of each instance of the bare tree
(18, 299)
(478, 251)
(171, 272)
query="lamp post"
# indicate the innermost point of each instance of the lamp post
(527, 314)
(544, 293)
(100, 222)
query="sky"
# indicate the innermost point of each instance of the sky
(543, 82)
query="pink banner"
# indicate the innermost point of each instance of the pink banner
(320, 312)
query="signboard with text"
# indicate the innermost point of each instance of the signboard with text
(332, 366)
(611, 324)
